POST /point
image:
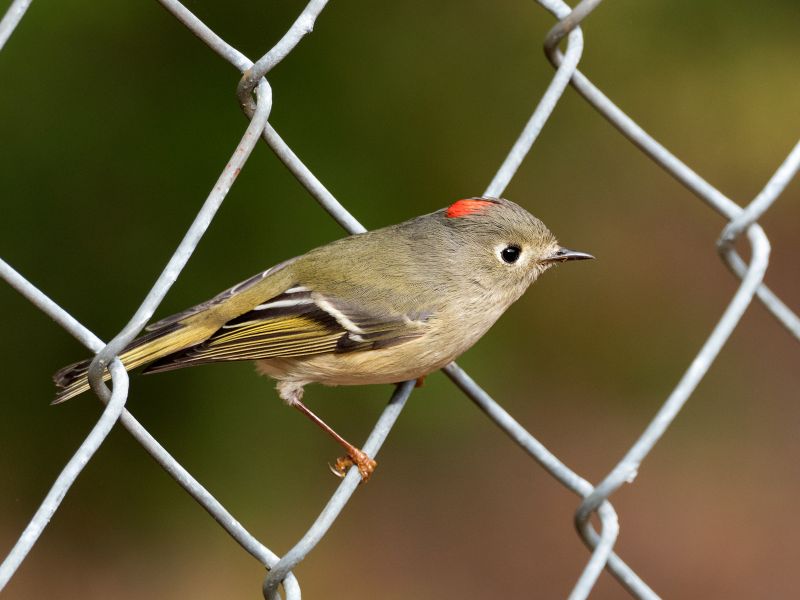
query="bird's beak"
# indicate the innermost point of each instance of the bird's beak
(564, 254)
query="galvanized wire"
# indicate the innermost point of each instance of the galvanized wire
(255, 97)
(11, 19)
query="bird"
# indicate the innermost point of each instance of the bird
(384, 306)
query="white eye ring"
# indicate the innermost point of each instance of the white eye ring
(508, 253)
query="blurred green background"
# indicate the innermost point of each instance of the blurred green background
(114, 124)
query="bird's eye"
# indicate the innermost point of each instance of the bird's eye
(510, 254)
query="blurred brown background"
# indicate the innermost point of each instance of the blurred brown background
(114, 124)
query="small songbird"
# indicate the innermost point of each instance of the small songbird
(386, 306)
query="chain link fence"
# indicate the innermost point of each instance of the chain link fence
(255, 97)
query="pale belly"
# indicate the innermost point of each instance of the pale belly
(411, 360)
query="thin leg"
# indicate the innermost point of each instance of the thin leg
(354, 456)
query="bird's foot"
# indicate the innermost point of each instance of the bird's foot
(420, 382)
(358, 458)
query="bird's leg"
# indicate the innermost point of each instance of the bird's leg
(354, 456)
(420, 382)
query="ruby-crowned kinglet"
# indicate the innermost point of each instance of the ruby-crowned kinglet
(385, 306)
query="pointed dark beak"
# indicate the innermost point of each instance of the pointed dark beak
(564, 254)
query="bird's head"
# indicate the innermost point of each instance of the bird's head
(504, 245)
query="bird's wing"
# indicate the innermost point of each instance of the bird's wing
(219, 298)
(297, 323)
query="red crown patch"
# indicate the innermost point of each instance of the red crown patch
(462, 208)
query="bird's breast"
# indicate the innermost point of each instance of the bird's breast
(450, 333)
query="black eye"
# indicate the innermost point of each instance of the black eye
(510, 254)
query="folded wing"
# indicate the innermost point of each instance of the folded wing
(299, 322)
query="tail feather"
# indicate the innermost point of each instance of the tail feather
(72, 380)
(67, 378)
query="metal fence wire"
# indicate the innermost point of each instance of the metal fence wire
(255, 97)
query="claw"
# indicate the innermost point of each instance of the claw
(364, 463)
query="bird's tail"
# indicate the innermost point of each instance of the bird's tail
(173, 337)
